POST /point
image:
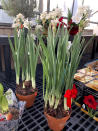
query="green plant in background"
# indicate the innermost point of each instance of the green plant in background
(14, 7)
(59, 68)
(3, 100)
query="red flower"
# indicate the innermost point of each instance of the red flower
(21, 26)
(68, 96)
(61, 19)
(90, 102)
(68, 93)
(61, 23)
(74, 91)
(71, 94)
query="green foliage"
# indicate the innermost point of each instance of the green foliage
(59, 69)
(1, 90)
(69, 15)
(3, 100)
(14, 7)
(25, 54)
(32, 52)
(18, 51)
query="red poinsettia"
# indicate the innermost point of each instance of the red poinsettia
(90, 101)
(71, 93)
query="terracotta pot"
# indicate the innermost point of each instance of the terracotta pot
(56, 124)
(28, 98)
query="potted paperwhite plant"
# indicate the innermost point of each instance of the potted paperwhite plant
(28, 91)
(58, 74)
(25, 55)
(10, 110)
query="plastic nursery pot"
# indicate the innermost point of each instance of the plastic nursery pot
(29, 99)
(56, 124)
(11, 124)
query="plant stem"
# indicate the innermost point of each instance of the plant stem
(23, 85)
(17, 80)
(33, 83)
(65, 103)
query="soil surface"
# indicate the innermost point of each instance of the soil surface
(59, 112)
(28, 90)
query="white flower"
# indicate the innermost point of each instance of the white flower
(20, 16)
(26, 24)
(54, 22)
(76, 19)
(34, 36)
(82, 11)
(18, 20)
(53, 15)
(39, 27)
(43, 15)
(48, 16)
(32, 23)
(57, 12)
(69, 45)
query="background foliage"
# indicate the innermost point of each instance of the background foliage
(14, 7)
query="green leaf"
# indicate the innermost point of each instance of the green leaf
(4, 104)
(1, 89)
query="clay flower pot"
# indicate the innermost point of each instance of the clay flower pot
(56, 124)
(28, 98)
(27, 94)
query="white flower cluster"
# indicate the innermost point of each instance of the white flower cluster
(54, 22)
(20, 22)
(51, 15)
(39, 27)
(82, 10)
(52, 18)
